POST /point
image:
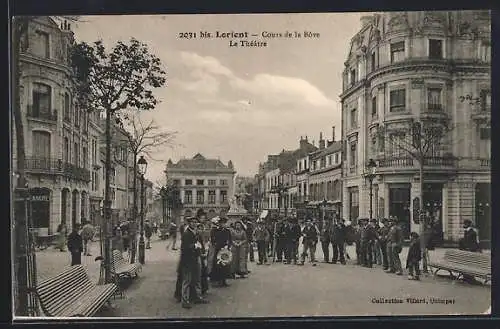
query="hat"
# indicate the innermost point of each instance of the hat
(192, 220)
(215, 220)
(468, 221)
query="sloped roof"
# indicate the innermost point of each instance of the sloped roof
(198, 162)
(333, 148)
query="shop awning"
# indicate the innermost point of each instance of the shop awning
(264, 214)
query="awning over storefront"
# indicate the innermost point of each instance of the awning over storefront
(264, 214)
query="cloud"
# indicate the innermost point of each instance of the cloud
(203, 83)
(205, 63)
(282, 89)
(214, 116)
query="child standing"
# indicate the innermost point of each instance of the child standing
(414, 257)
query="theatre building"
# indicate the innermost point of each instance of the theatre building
(56, 133)
(205, 185)
(431, 67)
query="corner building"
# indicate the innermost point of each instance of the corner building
(424, 66)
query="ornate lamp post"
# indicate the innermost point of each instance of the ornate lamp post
(370, 174)
(142, 166)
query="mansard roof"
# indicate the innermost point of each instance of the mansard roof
(199, 162)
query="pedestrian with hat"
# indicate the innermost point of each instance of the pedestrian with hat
(469, 242)
(395, 246)
(338, 238)
(220, 238)
(382, 233)
(75, 245)
(310, 239)
(261, 236)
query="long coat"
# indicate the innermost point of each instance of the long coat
(338, 234)
(219, 237)
(189, 253)
(75, 242)
(414, 253)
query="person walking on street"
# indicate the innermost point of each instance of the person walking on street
(87, 236)
(414, 257)
(280, 240)
(61, 239)
(293, 236)
(309, 242)
(382, 241)
(338, 237)
(376, 253)
(469, 242)
(250, 241)
(368, 236)
(394, 246)
(172, 235)
(325, 238)
(262, 237)
(148, 232)
(75, 246)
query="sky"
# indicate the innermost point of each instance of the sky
(238, 103)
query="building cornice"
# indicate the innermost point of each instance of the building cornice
(51, 64)
(324, 170)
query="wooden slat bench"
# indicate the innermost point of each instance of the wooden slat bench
(71, 293)
(121, 268)
(464, 262)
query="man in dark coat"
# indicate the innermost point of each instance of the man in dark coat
(280, 240)
(382, 232)
(75, 246)
(293, 234)
(394, 246)
(249, 233)
(469, 243)
(338, 237)
(325, 238)
(148, 232)
(368, 236)
(310, 239)
(189, 265)
(172, 234)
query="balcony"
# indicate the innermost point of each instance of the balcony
(37, 113)
(408, 162)
(52, 166)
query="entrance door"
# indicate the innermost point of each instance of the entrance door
(433, 205)
(399, 206)
(483, 213)
(40, 207)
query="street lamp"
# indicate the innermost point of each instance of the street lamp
(142, 166)
(163, 195)
(370, 174)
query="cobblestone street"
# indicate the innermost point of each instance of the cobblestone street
(287, 290)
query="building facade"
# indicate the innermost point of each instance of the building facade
(325, 178)
(429, 67)
(56, 133)
(205, 185)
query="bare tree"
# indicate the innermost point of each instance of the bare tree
(146, 139)
(423, 144)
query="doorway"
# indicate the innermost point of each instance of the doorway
(433, 206)
(40, 207)
(483, 213)
(399, 206)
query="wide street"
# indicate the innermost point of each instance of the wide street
(282, 290)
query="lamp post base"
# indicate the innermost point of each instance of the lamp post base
(142, 250)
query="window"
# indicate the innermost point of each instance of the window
(199, 182)
(94, 151)
(177, 182)
(354, 118)
(67, 108)
(484, 133)
(485, 100)
(76, 155)
(211, 197)
(41, 144)
(485, 51)
(66, 150)
(374, 145)
(85, 157)
(223, 182)
(353, 204)
(397, 51)
(352, 77)
(212, 182)
(336, 158)
(300, 166)
(188, 197)
(435, 49)
(373, 61)
(42, 44)
(434, 99)
(188, 182)
(41, 100)
(374, 107)
(77, 117)
(112, 175)
(200, 197)
(397, 100)
(353, 156)
(223, 196)
(396, 139)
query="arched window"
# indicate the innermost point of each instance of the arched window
(42, 100)
(67, 108)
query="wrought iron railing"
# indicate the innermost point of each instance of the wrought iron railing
(402, 162)
(57, 166)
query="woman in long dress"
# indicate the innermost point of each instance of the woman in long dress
(239, 250)
(220, 237)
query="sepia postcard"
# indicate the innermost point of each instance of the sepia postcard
(251, 165)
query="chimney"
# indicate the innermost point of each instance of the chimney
(321, 142)
(333, 133)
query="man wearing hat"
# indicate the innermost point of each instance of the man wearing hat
(249, 232)
(292, 240)
(310, 234)
(469, 242)
(382, 233)
(262, 237)
(338, 237)
(189, 265)
(368, 236)
(394, 246)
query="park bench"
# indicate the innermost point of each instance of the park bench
(464, 262)
(71, 294)
(121, 269)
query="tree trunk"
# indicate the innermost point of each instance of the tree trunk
(134, 235)
(107, 201)
(20, 208)
(423, 233)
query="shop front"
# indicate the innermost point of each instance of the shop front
(40, 208)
